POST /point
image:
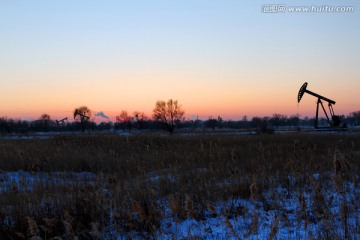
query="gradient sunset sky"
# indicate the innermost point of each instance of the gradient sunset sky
(216, 57)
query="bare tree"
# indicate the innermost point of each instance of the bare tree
(45, 121)
(83, 114)
(124, 120)
(140, 118)
(169, 113)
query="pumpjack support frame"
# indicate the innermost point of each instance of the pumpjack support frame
(334, 122)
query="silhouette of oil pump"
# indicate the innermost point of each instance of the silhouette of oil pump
(61, 122)
(335, 119)
(83, 119)
(82, 116)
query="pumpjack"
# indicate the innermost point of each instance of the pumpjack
(61, 122)
(82, 116)
(334, 122)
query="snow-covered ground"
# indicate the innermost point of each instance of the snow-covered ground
(278, 214)
(256, 222)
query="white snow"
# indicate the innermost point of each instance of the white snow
(276, 215)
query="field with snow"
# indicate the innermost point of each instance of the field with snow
(279, 186)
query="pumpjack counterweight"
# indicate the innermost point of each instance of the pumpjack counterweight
(335, 119)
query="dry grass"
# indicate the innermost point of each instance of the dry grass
(136, 179)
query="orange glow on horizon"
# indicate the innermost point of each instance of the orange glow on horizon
(230, 101)
(229, 112)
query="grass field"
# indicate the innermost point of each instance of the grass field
(147, 186)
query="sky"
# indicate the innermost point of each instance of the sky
(225, 58)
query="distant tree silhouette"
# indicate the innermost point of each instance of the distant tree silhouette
(278, 120)
(261, 125)
(168, 113)
(211, 123)
(45, 121)
(354, 118)
(6, 125)
(140, 118)
(244, 122)
(104, 126)
(83, 114)
(214, 123)
(124, 120)
(220, 122)
(294, 120)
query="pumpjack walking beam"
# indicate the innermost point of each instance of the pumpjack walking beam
(304, 90)
(335, 119)
(82, 116)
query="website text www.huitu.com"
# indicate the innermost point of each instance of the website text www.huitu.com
(282, 8)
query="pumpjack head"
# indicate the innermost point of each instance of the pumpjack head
(76, 113)
(302, 91)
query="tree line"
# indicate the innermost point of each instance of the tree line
(167, 115)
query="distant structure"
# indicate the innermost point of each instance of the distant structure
(83, 117)
(334, 122)
(61, 123)
(83, 112)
